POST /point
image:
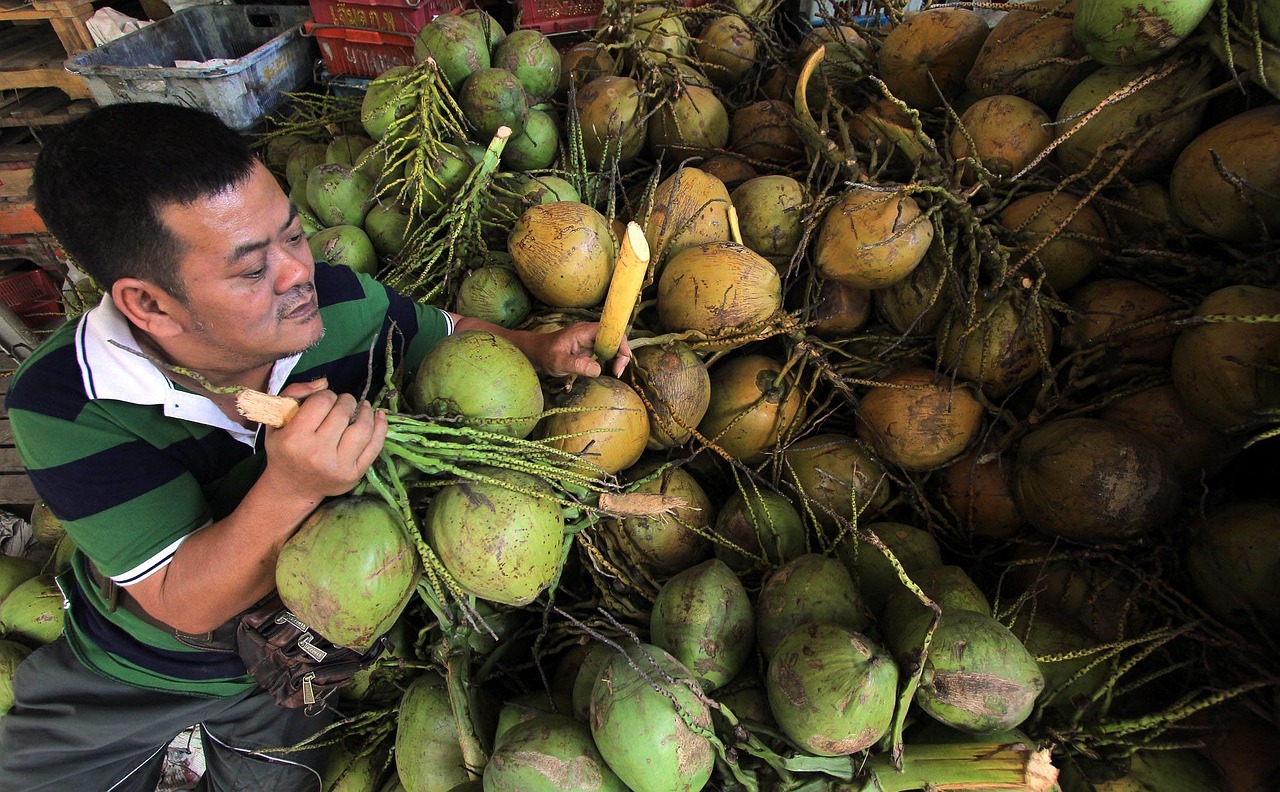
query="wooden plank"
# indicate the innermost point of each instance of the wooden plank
(20, 218)
(48, 76)
(73, 34)
(6, 434)
(33, 107)
(10, 461)
(16, 490)
(15, 180)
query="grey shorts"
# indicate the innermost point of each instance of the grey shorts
(73, 729)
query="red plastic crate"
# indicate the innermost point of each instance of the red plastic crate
(359, 52)
(31, 294)
(404, 16)
(550, 17)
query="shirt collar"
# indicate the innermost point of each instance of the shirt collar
(110, 372)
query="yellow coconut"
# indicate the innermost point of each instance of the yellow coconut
(764, 131)
(872, 239)
(919, 419)
(606, 423)
(727, 49)
(677, 386)
(611, 114)
(936, 47)
(564, 253)
(1032, 55)
(693, 122)
(689, 208)
(1069, 255)
(1003, 133)
(717, 287)
(770, 214)
(752, 409)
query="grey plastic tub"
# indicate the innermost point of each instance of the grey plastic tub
(266, 52)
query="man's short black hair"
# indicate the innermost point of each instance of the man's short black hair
(101, 181)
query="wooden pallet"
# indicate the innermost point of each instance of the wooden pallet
(17, 158)
(36, 107)
(15, 485)
(32, 57)
(66, 17)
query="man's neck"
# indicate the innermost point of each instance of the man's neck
(219, 385)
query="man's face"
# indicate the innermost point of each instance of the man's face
(248, 272)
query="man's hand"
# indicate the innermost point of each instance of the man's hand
(565, 352)
(327, 447)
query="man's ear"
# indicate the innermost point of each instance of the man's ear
(149, 307)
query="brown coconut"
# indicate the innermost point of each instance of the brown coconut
(872, 239)
(1004, 133)
(916, 304)
(1032, 55)
(676, 384)
(667, 543)
(919, 419)
(996, 347)
(1092, 481)
(730, 169)
(836, 474)
(752, 409)
(1122, 314)
(1069, 255)
(839, 310)
(1196, 449)
(564, 253)
(689, 208)
(1226, 372)
(979, 491)
(763, 131)
(940, 43)
(582, 63)
(716, 288)
(608, 425)
(1238, 206)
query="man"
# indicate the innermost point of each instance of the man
(177, 505)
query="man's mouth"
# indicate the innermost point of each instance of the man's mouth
(304, 309)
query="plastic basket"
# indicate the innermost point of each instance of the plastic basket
(260, 55)
(361, 52)
(30, 294)
(551, 17)
(404, 16)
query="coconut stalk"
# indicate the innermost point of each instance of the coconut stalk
(624, 290)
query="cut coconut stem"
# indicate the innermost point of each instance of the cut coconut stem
(963, 766)
(273, 411)
(735, 230)
(624, 290)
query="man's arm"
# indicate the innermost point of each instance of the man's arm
(227, 566)
(563, 352)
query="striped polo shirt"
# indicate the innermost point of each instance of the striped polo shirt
(133, 464)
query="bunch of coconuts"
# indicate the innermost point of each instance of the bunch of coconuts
(1021, 345)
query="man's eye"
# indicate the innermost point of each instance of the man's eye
(297, 238)
(256, 273)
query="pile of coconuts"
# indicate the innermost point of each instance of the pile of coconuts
(957, 357)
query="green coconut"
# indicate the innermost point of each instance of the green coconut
(386, 225)
(338, 195)
(494, 294)
(62, 555)
(1069, 658)
(493, 98)
(536, 145)
(348, 771)
(677, 387)
(372, 161)
(589, 671)
(726, 48)
(458, 47)
(490, 27)
(810, 589)
(428, 754)
(950, 587)
(302, 158)
(11, 655)
(349, 570)
(998, 346)
(549, 753)
(1234, 563)
(1091, 481)
(877, 580)
(379, 108)
(611, 115)
(694, 122)
(832, 690)
(345, 245)
(14, 571)
(661, 34)
(1113, 131)
(446, 171)
(32, 611)
(758, 531)
(45, 526)
(482, 377)
(499, 544)
(703, 617)
(1132, 32)
(770, 215)
(534, 61)
(836, 474)
(547, 189)
(527, 706)
(978, 677)
(644, 733)
(671, 542)
(345, 149)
